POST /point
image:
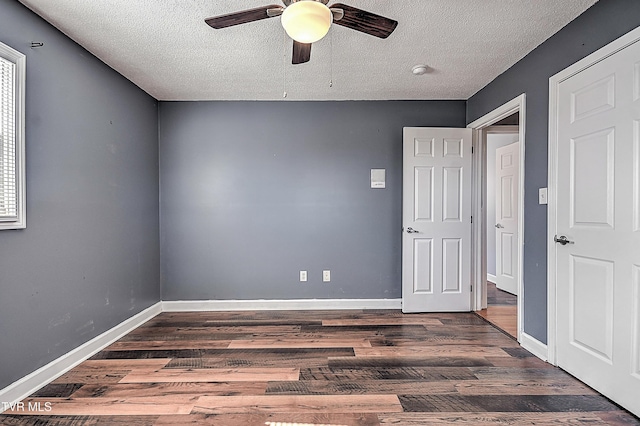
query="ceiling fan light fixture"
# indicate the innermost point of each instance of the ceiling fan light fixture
(307, 21)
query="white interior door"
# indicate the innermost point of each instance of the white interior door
(598, 212)
(507, 181)
(436, 214)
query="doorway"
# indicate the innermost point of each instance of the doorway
(502, 189)
(504, 309)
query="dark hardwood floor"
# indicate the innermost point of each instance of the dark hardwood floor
(316, 368)
(502, 310)
(497, 297)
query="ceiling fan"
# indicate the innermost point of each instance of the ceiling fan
(307, 21)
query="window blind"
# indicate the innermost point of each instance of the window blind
(8, 175)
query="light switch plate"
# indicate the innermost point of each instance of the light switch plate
(378, 178)
(542, 195)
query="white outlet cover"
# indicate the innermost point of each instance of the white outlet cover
(303, 276)
(326, 276)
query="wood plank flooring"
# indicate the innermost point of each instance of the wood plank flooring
(370, 367)
(502, 310)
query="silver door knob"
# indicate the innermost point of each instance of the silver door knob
(562, 240)
(412, 231)
(499, 226)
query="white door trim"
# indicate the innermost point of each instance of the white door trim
(479, 231)
(554, 82)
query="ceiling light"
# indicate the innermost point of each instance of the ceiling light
(307, 21)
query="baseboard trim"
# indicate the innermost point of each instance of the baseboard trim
(492, 278)
(30, 383)
(297, 304)
(534, 346)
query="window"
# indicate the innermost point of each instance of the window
(12, 170)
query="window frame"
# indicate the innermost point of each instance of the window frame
(19, 59)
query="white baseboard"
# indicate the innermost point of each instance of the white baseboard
(27, 385)
(534, 346)
(298, 304)
(491, 277)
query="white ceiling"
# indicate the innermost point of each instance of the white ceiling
(165, 47)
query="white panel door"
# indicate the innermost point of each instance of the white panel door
(436, 215)
(507, 185)
(598, 212)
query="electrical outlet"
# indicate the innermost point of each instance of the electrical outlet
(326, 275)
(303, 276)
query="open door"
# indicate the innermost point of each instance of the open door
(436, 242)
(507, 175)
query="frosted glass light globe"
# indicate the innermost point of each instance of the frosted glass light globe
(307, 21)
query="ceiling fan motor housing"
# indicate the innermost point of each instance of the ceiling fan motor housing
(288, 2)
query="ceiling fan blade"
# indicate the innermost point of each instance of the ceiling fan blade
(237, 18)
(366, 22)
(301, 52)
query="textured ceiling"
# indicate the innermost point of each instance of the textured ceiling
(165, 47)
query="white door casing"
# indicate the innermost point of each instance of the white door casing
(507, 176)
(436, 216)
(481, 127)
(594, 280)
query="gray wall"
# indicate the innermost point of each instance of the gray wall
(254, 192)
(89, 258)
(601, 24)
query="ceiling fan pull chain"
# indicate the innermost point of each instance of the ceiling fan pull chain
(284, 65)
(331, 58)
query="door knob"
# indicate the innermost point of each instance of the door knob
(499, 226)
(412, 231)
(562, 240)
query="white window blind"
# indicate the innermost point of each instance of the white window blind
(8, 169)
(12, 149)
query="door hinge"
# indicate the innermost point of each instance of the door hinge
(471, 288)
(471, 219)
(472, 150)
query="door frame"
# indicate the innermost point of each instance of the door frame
(615, 46)
(478, 202)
